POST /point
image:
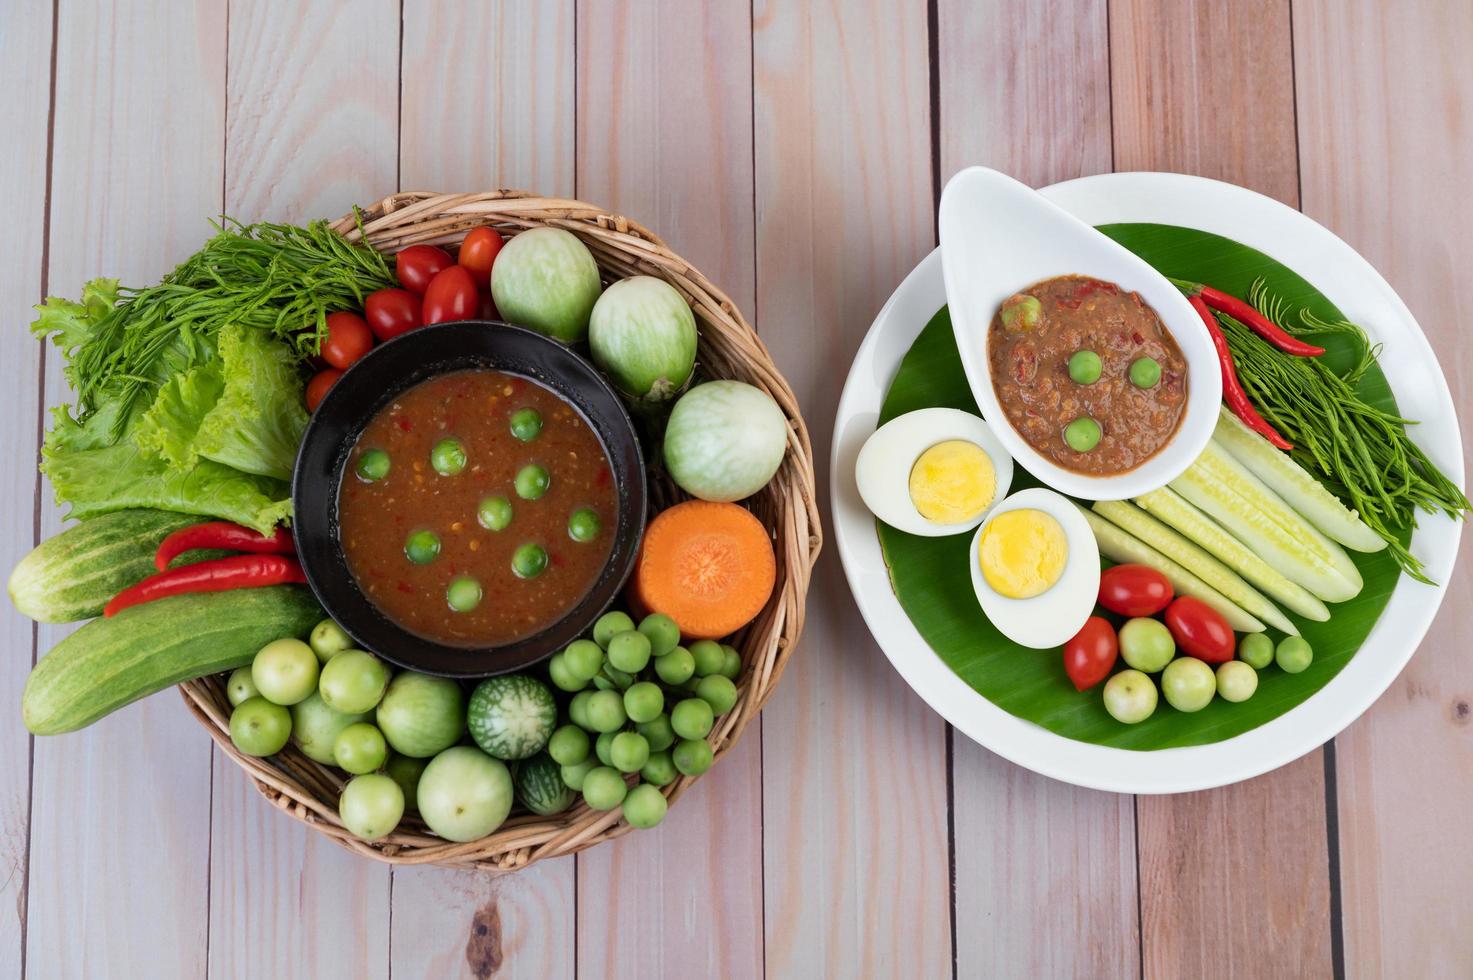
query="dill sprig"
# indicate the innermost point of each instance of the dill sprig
(280, 278)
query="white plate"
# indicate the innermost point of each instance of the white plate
(1349, 282)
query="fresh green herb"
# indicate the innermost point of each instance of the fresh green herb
(280, 279)
(1361, 453)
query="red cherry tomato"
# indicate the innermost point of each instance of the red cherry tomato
(478, 252)
(488, 308)
(1090, 654)
(1134, 590)
(418, 264)
(390, 312)
(1199, 630)
(452, 296)
(348, 338)
(317, 387)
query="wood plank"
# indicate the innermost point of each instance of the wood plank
(311, 129)
(1208, 89)
(1045, 874)
(665, 136)
(854, 764)
(1205, 88)
(121, 811)
(511, 66)
(25, 74)
(1385, 111)
(507, 71)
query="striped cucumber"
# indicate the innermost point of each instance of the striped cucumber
(109, 663)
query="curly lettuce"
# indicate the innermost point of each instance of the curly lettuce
(257, 424)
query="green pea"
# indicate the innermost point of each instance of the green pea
(1256, 650)
(422, 547)
(494, 514)
(1085, 367)
(464, 594)
(447, 457)
(1145, 372)
(532, 481)
(1021, 312)
(526, 423)
(1083, 434)
(373, 466)
(1294, 654)
(528, 560)
(584, 525)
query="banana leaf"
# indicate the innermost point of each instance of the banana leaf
(931, 576)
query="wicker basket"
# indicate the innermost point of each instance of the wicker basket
(728, 349)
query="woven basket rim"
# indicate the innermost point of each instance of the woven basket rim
(729, 348)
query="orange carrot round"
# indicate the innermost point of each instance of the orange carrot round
(708, 566)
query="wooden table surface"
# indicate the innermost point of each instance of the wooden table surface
(794, 151)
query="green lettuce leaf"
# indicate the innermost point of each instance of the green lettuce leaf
(168, 428)
(97, 478)
(70, 324)
(257, 423)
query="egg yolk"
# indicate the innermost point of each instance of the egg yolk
(1022, 553)
(952, 482)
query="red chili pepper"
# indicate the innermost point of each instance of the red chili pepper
(1237, 309)
(226, 537)
(1232, 389)
(218, 575)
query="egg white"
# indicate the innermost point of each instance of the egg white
(1048, 619)
(883, 468)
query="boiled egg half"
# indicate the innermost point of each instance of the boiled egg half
(933, 472)
(1036, 568)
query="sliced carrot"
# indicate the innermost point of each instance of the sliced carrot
(708, 566)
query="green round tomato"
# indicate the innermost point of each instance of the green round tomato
(240, 687)
(574, 775)
(628, 752)
(1188, 684)
(546, 279)
(532, 481)
(464, 794)
(718, 691)
(463, 594)
(259, 727)
(644, 806)
(609, 625)
(578, 710)
(1145, 372)
(353, 681)
(315, 727)
(1130, 697)
(1085, 367)
(692, 718)
(692, 756)
(569, 745)
(659, 770)
(327, 639)
(448, 457)
(583, 659)
(421, 715)
(643, 702)
(603, 747)
(709, 657)
(373, 466)
(1146, 644)
(662, 631)
(731, 664)
(285, 671)
(1236, 681)
(657, 732)
(1083, 434)
(605, 711)
(629, 651)
(526, 423)
(529, 560)
(422, 547)
(360, 748)
(604, 788)
(1256, 650)
(676, 667)
(584, 525)
(563, 678)
(406, 771)
(494, 513)
(371, 806)
(1294, 654)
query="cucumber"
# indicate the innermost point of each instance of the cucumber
(109, 663)
(539, 786)
(512, 716)
(71, 576)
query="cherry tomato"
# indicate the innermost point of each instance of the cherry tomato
(317, 387)
(452, 296)
(1090, 654)
(477, 253)
(348, 338)
(418, 264)
(1134, 590)
(488, 308)
(1199, 630)
(390, 312)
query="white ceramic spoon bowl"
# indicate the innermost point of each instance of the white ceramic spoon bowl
(999, 236)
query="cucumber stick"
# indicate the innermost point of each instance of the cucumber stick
(1122, 546)
(71, 576)
(1291, 481)
(1170, 508)
(1129, 517)
(109, 663)
(1239, 501)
